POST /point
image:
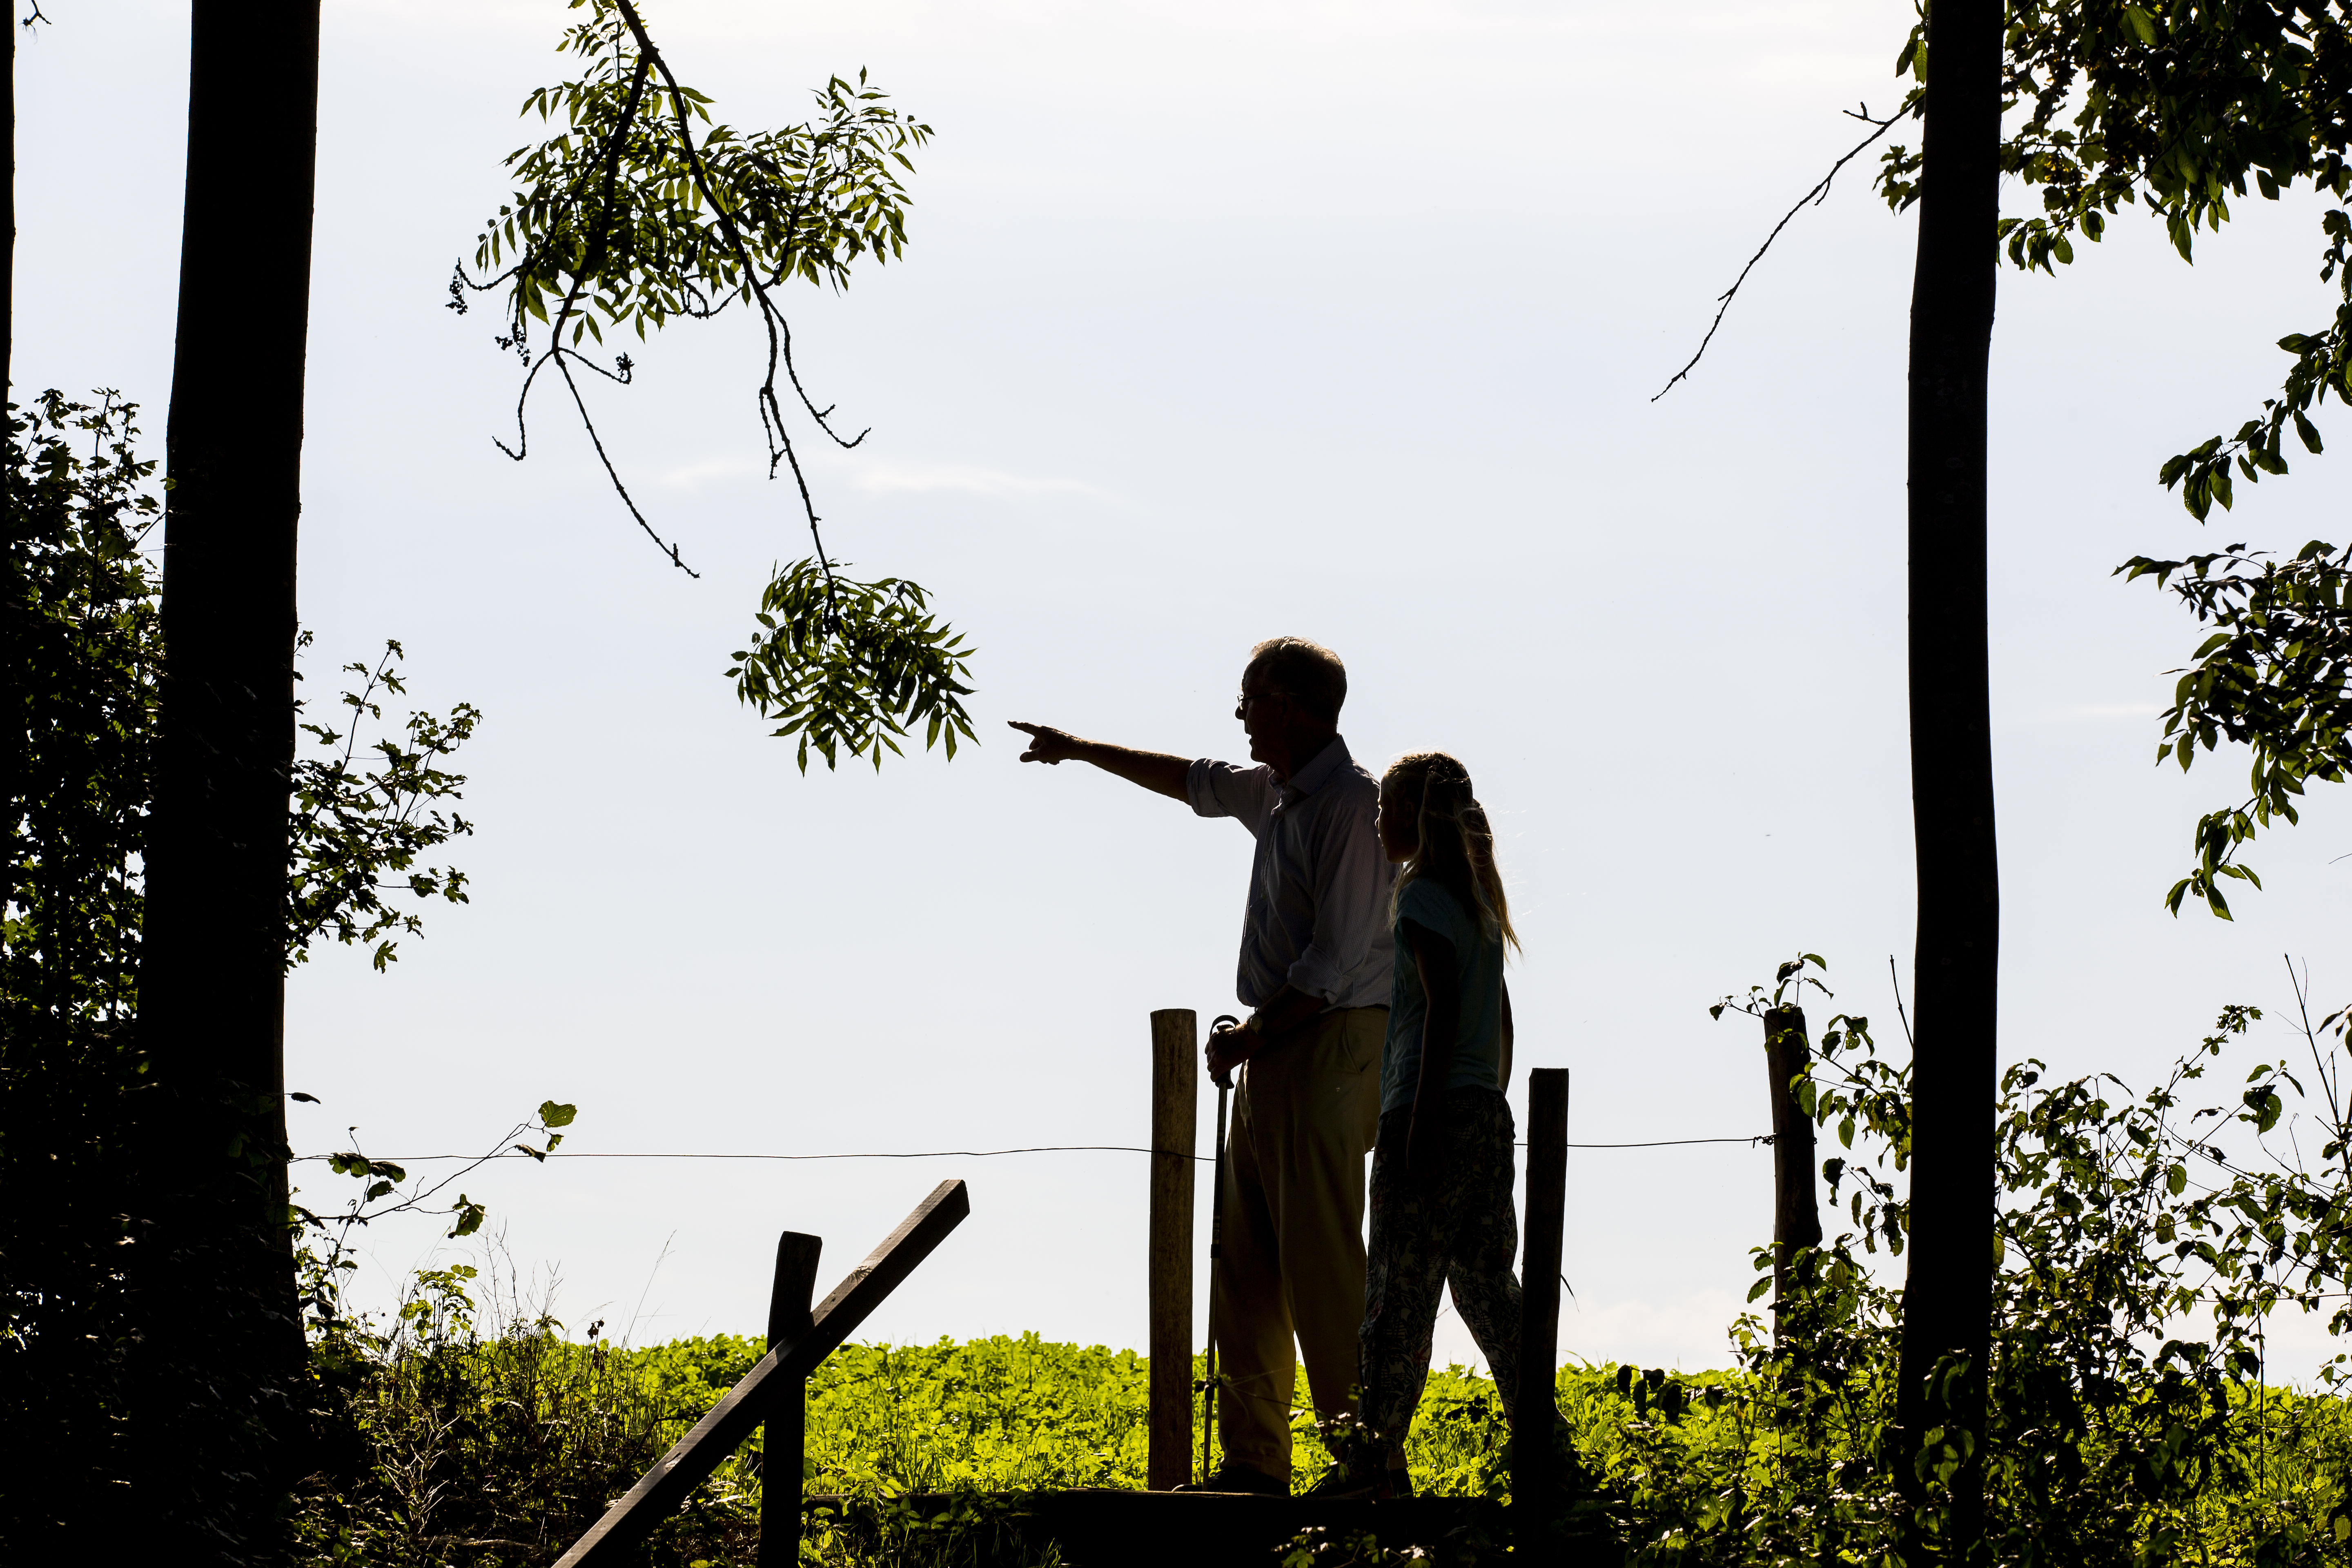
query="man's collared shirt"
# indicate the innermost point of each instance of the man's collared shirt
(1319, 897)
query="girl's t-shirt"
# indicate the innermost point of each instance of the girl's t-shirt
(1477, 971)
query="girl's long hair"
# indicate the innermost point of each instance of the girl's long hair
(1455, 844)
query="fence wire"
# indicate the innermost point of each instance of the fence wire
(1757, 1141)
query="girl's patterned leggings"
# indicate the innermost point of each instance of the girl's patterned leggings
(1459, 1230)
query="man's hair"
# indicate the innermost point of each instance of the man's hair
(1310, 673)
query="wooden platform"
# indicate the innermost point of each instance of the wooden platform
(1108, 1529)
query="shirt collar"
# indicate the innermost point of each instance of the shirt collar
(1310, 778)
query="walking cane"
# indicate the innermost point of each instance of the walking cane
(1216, 1249)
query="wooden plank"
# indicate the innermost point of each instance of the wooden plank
(783, 1444)
(658, 1493)
(1796, 1207)
(1535, 1479)
(1175, 1115)
(1102, 1527)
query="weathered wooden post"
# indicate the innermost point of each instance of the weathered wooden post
(783, 1442)
(1796, 1210)
(1175, 1114)
(1535, 1467)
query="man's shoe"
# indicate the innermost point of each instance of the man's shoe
(1234, 1476)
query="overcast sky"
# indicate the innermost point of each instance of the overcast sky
(1217, 321)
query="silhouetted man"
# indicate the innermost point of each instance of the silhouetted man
(1315, 969)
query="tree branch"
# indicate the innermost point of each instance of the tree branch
(1813, 197)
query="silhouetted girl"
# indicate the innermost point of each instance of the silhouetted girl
(1441, 1194)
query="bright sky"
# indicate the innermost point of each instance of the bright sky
(1218, 322)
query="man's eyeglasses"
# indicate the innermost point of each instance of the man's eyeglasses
(1247, 698)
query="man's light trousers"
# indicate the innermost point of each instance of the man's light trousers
(1293, 1260)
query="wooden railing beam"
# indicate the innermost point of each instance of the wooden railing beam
(659, 1493)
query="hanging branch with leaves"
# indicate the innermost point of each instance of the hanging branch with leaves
(2177, 108)
(629, 217)
(2275, 676)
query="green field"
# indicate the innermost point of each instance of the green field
(520, 1437)
(498, 1450)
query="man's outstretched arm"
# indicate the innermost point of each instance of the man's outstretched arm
(1155, 771)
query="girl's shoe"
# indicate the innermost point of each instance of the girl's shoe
(1342, 1483)
(1231, 1477)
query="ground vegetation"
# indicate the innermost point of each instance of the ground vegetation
(2146, 1240)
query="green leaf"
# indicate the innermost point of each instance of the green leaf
(470, 1216)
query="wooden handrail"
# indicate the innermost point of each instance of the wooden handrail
(666, 1486)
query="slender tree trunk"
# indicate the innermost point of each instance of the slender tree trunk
(1948, 1297)
(217, 1407)
(8, 275)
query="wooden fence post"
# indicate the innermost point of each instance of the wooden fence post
(1175, 1115)
(1535, 1469)
(1796, 1210)
(783, 1442)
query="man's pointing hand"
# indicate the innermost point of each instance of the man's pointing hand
(1047, 745)
(1155, 771)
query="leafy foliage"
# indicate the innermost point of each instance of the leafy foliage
(82, 632)
(466, 1430)
(2177, 108)
(83, 658)
(847, 665)
(350, 828)
(2275, 676)
(2117, 1434)
(326, 1240)
(624, 220)
(628, 218)
(80, 623)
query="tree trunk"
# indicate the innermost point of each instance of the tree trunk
(1947, 1296)
(216, 1406)
(9, 276)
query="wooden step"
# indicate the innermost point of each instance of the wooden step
(1102, 1527)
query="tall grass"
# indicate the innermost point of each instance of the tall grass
(475, 1434)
